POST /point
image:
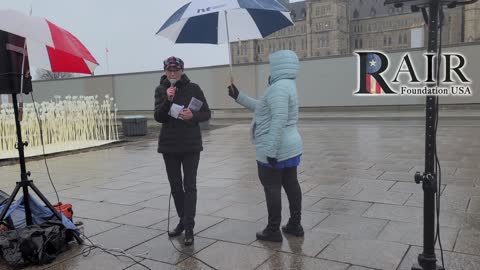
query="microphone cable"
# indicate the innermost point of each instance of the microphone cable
(182, 252)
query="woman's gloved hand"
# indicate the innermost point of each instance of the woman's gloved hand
(272, 161)
(233, 91)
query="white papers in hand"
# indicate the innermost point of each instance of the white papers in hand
(175, 110)
(195, 105)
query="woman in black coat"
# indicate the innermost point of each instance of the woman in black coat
(180, 139)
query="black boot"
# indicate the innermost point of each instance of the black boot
(188, 237)
(177, 231)
(293, 228)
(269, 234)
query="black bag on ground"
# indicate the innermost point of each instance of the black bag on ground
(35, 244)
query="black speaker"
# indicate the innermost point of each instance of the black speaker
(12, 50)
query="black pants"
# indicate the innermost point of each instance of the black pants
(272, 181)
(184, 192)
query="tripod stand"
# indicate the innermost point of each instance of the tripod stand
(24, 182)
(427, 259)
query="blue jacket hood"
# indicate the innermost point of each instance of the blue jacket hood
(283, 65)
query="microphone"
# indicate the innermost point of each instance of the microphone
(172, 83)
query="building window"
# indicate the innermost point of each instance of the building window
(356, 43)
(373, 11)
(292, 14)
(389, 41)
(384, 41)
(355, 14)
(400, 39)
(360, 44)
(405, 39)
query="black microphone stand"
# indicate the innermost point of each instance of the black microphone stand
(427, 259)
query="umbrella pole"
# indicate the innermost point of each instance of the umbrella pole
(229, 49)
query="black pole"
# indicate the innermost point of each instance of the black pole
(23, 171)
(427, 260)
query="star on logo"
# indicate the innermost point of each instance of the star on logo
(373, 63)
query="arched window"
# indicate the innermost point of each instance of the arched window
(373, 11)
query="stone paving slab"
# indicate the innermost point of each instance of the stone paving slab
(362, 209)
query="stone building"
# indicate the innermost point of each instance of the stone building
(337, 27)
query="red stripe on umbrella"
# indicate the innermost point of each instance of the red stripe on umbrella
(63, 62)
(65, 41)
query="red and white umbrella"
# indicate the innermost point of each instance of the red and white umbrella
(49, 46)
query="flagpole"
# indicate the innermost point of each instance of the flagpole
(106, 56)
(229, 49)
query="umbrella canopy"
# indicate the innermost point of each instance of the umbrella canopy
(219, 21)
(49, 46)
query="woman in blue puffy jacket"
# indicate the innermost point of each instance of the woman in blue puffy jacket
(277, 142)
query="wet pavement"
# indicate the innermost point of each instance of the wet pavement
(362, 209)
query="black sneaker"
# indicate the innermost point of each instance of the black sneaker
(177, 231)
(270, 235)
(188, 237)
(293, 229)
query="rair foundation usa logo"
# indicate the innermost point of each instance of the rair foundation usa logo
(372, 80)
